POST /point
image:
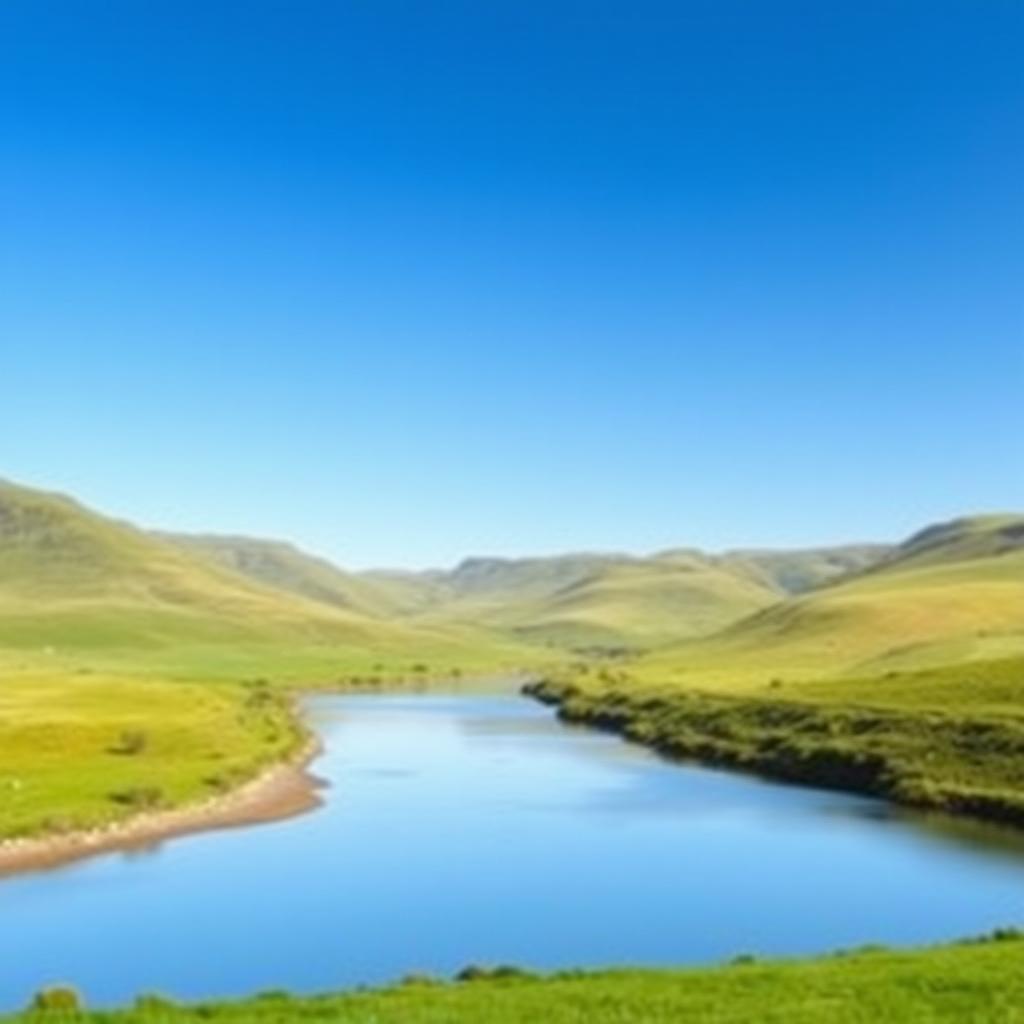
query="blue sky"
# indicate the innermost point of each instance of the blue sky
(408, 281)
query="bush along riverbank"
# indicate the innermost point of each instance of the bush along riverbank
(957, 764)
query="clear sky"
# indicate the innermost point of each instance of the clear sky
(407, 281)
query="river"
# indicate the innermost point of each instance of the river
(461, 829)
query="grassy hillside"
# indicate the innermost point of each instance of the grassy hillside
(78, 587)
(584, 603)
(287, 568)
(589, 602)
(960, 540)
(60, 562)
(957, 597)
(597, 603)
(796, 572)
(976, 983)
(635, 605)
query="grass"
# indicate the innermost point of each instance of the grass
(584, 603)
(84, 752)
(971, 983)
(907, 617)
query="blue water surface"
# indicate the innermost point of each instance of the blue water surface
(461, 829)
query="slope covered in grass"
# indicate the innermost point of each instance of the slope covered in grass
(288, 568)
(959, 597)
(598, 602)
(75, 584)
(797, 571)
(636, 604)
(959, 540)
(594, 603)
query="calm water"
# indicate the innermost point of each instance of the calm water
(461, 829)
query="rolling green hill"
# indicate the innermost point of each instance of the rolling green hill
(795, 572)
(953, 593)
(959, 540)
(600, 602)
(77, 586)
(70, 577)
(619, 603)
(286, 567)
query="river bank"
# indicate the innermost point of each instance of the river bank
(955, 764)
(282, 790)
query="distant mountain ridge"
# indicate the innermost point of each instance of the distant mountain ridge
(579, 601)
(63, 565)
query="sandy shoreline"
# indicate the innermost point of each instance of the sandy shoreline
(283, 790)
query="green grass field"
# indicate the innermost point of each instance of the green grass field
(975, 983)
(78, 753)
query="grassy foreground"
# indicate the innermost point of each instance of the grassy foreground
(972, 983)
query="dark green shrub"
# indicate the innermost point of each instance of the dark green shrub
(153, 1002)
(503, 972)
(130, 743)
(419, 978)
(58, 999)
(138, 797)
(507, 971)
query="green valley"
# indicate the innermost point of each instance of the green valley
(144, 672)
